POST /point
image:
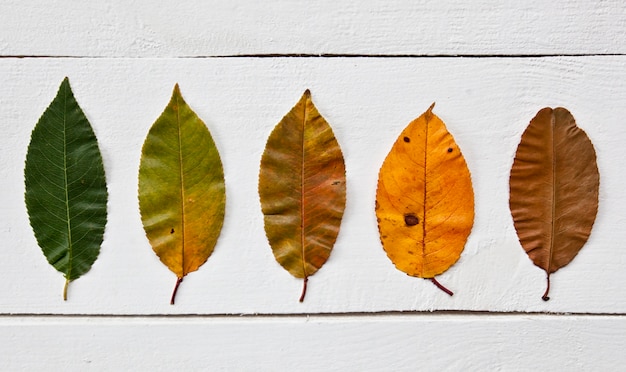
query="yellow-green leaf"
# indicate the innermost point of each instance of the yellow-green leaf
(181, 189)
(302, 186)
(424, 200)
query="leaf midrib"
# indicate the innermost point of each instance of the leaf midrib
(182, 188)
(554, 192)
(68, 274)
(421, 269)
(302, 214)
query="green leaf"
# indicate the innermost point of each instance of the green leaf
(181, 189)
(66, 194)
(302, 187)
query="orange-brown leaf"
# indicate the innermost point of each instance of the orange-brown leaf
(554, 189)
(302, 187)
(424, 200)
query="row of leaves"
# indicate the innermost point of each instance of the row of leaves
(424, 199)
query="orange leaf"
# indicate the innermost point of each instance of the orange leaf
(554, 190)
(302, 186)
(424, 200)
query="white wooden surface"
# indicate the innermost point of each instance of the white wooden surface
(383, 343)
(486, 103)
(130, 56)
(203, 28)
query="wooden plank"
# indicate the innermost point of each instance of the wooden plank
(395, 343)
(486, 103)
(208, 28)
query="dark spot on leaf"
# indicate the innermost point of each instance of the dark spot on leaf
(410, 219)
(449, 149)
(336, 183)
(377, 205)
(171, 231)
(378, 220)
(407, 139)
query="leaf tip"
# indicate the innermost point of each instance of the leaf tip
(430, 109)
(429, 113)
(65, 84)
(176, 88)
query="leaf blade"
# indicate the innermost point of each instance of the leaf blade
(65, 187)
(181, 189)
(302, 190)
(424, 199)
(554, 189)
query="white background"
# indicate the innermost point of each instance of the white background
(372, 68)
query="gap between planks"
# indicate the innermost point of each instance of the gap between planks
(322, 55)
(329, 315)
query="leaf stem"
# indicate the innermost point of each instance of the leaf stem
(67, 282)
(178, 281)
(545, 295)
(306, 279)
(435, 282)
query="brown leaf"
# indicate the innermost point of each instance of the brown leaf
(554, 190)
(302, 187)
(424, 200)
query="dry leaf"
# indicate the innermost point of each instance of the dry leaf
(554, 190)
(424, 200)
(181, 189)
(302, 187)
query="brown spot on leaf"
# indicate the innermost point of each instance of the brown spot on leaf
(407, 139)
(410, 219)
(449, 149)
(171, 231)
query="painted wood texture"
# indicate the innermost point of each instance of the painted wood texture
(367, 343)
(485, 102)
(121, 28)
